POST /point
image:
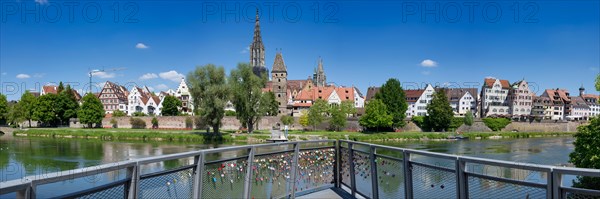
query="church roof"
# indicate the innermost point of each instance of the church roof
(257, 40)
(279, 65)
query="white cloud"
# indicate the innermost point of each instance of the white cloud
(141, 46)
(41, 2)
(103, 75)
(490, 77)
(162, 87)
(148, 76)
(171, 75)
(39, 75)
(425, 72)
(150, 88)
(23, 76)
(246, 50)
(429, 63)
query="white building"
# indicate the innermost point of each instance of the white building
(184, 95)
(520, 99)
(143, 101)
(462, 100)
(418, 100)
(494, 97)
(333, 95)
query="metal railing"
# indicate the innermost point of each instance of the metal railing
(290, 169)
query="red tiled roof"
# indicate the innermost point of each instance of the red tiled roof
(50, 89)
(413, 95)
(489, 82)
(345, 93)
(371, 91)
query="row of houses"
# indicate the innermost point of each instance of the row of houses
(137, 99)
(500, 98)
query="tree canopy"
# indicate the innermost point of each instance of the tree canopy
(339, 113)
(250, 103)
(27, 105)
(3, 107)
(316, 113)
(92, 110)
(587, 152)
(392, 95)
(376, 116)
(45, 109)
(170, 106)
(210, 92)
(439, 112)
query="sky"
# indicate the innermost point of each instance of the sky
(551, 44)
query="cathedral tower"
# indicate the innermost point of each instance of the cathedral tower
(319, 78)
(257, 51)
(279, 79)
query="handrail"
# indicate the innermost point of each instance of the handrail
(26, 187)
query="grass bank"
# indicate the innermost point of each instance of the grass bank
(124, 134)
(424, 135)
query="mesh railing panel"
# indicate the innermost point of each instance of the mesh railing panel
(486, 188)
(433, 183)
(362, 173)
(570, 195)
(224, 179)
(169, 185)
(315, 168)
(114, 192)
(345, 166)
(270, 174)
(390, 176)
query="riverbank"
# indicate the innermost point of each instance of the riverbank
(262, 136)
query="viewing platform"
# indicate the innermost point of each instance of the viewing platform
(307, 169)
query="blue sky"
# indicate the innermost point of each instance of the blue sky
(363, 43)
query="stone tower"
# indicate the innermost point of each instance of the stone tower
(319, 78)
(257, 51)
(279, 79)
(581, 91)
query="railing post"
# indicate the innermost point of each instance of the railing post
(247, 184)
(352, 175)
(374, 185)
(134, 183)
(198, 172)
(461, 179)
(294, 168)
(556, 182)
(26, 193)
(336, 166)
(408, 188)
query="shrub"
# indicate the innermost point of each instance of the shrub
(137, 123)
(586, 153)
(469, 118)
(118, 113)
(456, 122)
(139, 114)
(230, 113)
(189, 123)
(286, 120)
(154, 123)
(421, 122)
(114, 123)
(496, 124)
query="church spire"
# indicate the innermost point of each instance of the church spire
(257, 50)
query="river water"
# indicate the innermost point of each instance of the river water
(20, 157)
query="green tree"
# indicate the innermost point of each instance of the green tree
(272, 104)
(340, 113)
(139, 114)
(66, 105)
(91, 111)
(376, 116)
(439, 112)
(3, 107)
(15, 115)
(598, 82)
(45, 109)
(392, 95)
(316, 113)
(60, 88)
(27, 105)
(587, 152)
(286, 120)
(170, 106)
(496, 124)
(251, 104)
(154, 123)
(118, 113)
(210, 92)
(469, 118)
(303, 120)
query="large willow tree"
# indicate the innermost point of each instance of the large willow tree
(250, 103)
(209, 90)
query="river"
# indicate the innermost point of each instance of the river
(20, 157)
